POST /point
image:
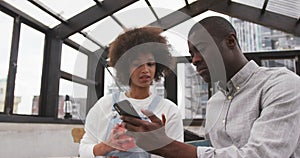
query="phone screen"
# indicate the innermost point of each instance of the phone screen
(125, 108)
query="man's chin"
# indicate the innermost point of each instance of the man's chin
(206, 78)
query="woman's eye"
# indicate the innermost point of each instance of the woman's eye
(151, 63)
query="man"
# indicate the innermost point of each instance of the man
(255, 113)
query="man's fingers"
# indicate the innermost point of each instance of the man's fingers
(151, 116)
(130, 126)
(163, 117)
(132, 120)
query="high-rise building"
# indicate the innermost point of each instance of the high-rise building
(196, 94)
(253, 37)
(249, 35)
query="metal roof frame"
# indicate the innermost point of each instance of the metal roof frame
(87, 17)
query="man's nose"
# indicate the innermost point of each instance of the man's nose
(197, 59)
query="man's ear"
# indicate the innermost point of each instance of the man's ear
(231, 41)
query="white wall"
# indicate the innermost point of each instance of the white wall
(24, 140)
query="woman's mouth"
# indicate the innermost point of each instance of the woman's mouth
(145, 78)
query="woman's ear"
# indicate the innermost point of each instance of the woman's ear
(231, 41)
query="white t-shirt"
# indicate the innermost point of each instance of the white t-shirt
(100, 114)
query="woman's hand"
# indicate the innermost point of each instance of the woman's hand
(119, 140)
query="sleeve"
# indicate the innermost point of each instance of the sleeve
(94, 124)
(275, 134)
(174, 124)
(89, 140)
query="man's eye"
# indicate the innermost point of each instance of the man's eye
(192, 54)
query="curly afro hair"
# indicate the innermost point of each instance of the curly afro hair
(134, 42)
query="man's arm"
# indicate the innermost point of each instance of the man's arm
(176, 149)
(151, 137)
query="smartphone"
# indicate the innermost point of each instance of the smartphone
(124, 107)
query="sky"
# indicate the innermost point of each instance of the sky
(29, 68)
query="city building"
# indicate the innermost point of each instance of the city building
(17, 99)
(254, 37)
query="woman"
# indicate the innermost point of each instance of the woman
(139, 56)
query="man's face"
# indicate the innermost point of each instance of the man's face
(199, 62)
(206, 56)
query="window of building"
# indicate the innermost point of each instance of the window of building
(73, 61)
(288, 63)
(29, 69)
(192, 92)
(6, 23)
(78, 97)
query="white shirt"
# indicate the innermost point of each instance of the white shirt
(100, 114)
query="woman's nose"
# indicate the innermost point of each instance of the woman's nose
(145, 67)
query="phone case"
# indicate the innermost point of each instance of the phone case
(124, 107)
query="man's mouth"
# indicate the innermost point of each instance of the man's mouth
(201, 71)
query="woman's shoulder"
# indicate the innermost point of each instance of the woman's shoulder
(167, 103)
(104, 101)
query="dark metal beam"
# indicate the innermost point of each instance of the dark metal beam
(170, 85)
(183, 59)
(264, 6)
(86, 35)
(100, 71)
(77, 46)
(48, 101)
(152, 10)
(298, 64)
(269, 19)
(89, 17)
(228, 2)
(118, 22)
(282, 54)
(285, 54)
(34, 119)
(187, 3)
(9, 97)
(77, 79)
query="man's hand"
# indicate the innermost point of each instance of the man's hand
(149, 136)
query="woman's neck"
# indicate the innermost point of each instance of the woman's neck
(138, 93)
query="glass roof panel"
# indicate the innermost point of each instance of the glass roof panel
(162, 8)
(104, 31)
(34, 12)
(253, 3)
(136, 15)
(68, 8)
(285, 7)
(80, 39)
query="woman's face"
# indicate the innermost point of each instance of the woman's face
(142, 70)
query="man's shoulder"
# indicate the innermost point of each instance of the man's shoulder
(281, 73)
